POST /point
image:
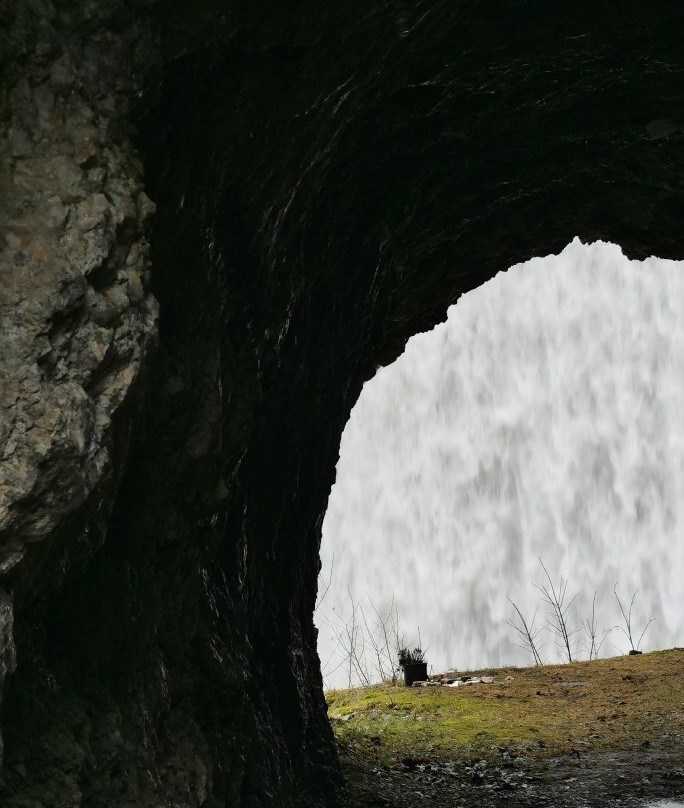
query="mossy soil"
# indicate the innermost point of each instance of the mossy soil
(598, 712)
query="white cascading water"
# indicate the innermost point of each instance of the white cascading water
(543, 419)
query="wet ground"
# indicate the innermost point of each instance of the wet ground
(629, 778)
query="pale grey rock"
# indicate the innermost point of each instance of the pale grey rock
(77, 320)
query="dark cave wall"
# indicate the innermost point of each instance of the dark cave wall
(326, 185)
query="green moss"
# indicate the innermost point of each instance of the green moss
(604, 704)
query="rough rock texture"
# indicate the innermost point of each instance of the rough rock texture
(76, 321)
(326, 184)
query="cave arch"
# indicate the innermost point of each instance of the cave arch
(324, 189)
(524, 427)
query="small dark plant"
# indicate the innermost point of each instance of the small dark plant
(410, 657)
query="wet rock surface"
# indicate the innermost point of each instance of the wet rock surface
(326, 185)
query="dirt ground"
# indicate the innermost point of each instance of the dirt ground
(585, 735)
(592, 780)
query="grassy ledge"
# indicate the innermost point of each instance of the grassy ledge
(554, 710)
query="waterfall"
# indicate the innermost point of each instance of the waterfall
(543, 419)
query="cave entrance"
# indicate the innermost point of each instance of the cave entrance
(541, 421)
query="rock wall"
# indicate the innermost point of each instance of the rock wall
(76, 318)
(326, 185)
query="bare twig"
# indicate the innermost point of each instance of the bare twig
(527, 633)
(558, 621)
(321, 597)
(627, 618)
(387, 627)
(591, 630)
(366, 644)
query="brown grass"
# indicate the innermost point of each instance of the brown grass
(608, 704)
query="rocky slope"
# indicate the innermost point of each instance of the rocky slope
(325, 184)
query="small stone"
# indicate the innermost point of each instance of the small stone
(87, 152)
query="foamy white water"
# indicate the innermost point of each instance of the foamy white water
(545, 418)
(665, 804)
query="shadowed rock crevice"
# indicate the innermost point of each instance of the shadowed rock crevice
(325, 187)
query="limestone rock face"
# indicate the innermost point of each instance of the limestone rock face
(76, 318)
(325, 186)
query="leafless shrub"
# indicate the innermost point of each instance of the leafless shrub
(594, 644)
(527, 632)
(560, 625)
(558, 621)
(627, 618)
(385, 640)
(367, 643)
